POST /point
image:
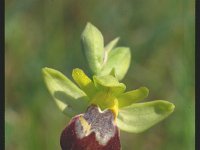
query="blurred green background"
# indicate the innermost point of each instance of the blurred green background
(41, 33)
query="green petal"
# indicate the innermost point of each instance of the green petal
(130, 97)
(141, 116)
(93, 45)
(109, 84)
(84, 82)
(119, 59)
(69, 98)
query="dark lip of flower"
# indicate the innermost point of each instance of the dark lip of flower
(101, 123)
(93, 130)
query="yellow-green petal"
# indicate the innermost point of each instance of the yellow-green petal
(84, 82)
(133, 96)
(140, 116)
(70, 99)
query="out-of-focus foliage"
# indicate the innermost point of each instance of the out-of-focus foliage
(44, 33)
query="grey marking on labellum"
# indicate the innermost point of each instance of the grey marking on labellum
(99, 122)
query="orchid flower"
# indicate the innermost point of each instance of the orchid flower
(100, 105)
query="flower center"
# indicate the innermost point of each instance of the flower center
(105, 100)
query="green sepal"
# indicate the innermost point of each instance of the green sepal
(109, 84)
(119, 59)
(84, 82)
(70, 99)
(111, 44)
(108, 48)
(133, 96)
(140, 116)
(93, 46)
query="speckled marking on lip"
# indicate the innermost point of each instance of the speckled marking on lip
(97, 121)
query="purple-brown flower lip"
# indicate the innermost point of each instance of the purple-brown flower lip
(93, 130)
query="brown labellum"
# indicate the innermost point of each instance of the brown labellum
(93, 130)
